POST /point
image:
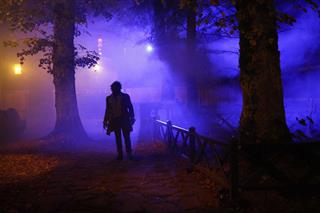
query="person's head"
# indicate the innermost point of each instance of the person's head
(116, 87)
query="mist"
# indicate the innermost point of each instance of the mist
(147, 76)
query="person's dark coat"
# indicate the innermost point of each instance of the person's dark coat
(119, 118)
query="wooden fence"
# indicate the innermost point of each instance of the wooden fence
(290, 167)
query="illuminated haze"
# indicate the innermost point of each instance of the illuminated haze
(142, 74)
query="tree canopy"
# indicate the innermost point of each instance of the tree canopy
(35, 19)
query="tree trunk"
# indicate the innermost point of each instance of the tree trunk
(191, 72)
(263, 117)
(164, 32)
(2, 83)
(68, 123)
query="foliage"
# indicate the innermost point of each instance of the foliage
(34, 18)
(219, 16)
(21, 167)
(215, 18)
(307, 130)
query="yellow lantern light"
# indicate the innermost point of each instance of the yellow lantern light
(17, 68)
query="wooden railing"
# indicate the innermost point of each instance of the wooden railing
(194, 146)
(270, 164)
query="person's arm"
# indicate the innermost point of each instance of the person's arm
(106, 115)
(130, 108)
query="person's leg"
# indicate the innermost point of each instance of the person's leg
(127, 140)
(119, 143)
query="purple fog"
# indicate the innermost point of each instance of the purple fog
(196, 141)
(130, 56)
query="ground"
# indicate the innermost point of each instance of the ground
(39, 178)
(42, 176)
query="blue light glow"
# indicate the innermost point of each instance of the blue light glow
(149, 48)
(144, 69)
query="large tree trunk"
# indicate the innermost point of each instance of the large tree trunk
(263, 117)
(68, 123)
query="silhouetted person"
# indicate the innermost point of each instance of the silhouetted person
(119, 117)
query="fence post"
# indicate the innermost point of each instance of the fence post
(169, 133)
(155, 129)
(234, 170)
(192, 140)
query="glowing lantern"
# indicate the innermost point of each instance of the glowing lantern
(17, 68)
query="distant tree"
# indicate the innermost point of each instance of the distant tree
(164, 35)
(167, 20)
(192, 72)
(174, 33)
(53, 26)
(178, 28)
(172, 18)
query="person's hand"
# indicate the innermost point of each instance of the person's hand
(105, 124)
(132, 120)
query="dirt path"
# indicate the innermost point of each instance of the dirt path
(90, 181)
